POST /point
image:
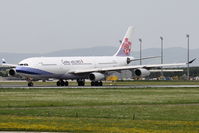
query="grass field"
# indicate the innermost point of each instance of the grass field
(142, 110)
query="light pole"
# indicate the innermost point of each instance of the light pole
(140, 51)
(187, 56)
(161, 38)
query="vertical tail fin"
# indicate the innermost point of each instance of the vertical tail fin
(125, 47)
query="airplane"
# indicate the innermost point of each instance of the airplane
(94, 68)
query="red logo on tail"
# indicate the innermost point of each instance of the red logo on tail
(126, 46)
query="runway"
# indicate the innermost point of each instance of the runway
(105, 86)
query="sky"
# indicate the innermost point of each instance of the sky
(42, 26)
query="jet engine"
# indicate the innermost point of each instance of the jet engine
(12, 72)
(95, 76)
(142, 72)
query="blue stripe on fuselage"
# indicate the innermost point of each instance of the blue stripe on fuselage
(33, 71)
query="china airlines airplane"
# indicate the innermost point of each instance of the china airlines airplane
(95, 68)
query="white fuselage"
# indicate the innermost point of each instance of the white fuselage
(65, 67)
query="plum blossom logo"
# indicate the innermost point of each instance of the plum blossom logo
(126, 46)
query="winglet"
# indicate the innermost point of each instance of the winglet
(191, 61)
(3, 61)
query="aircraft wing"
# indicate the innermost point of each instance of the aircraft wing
(4, 65)
(127, 68)
(148, 67)
(7, 66)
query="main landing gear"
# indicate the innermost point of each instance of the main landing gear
(62, 83)
(96, 83)
(81, 82)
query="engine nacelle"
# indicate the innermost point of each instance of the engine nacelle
(142, 72)
(12, 72)
(95, 76)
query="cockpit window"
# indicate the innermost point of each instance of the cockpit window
(25, 64)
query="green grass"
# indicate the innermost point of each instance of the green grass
(100, 110)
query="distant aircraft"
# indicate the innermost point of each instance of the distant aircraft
(95, 68)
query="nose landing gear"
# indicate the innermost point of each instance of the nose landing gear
(30, 84)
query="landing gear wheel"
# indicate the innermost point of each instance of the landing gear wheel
(66, 83)
(30, 84)
(92, 83)
(96, 83)
(100, 83)
(80, 82)
(62, 83)
(58, 83)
